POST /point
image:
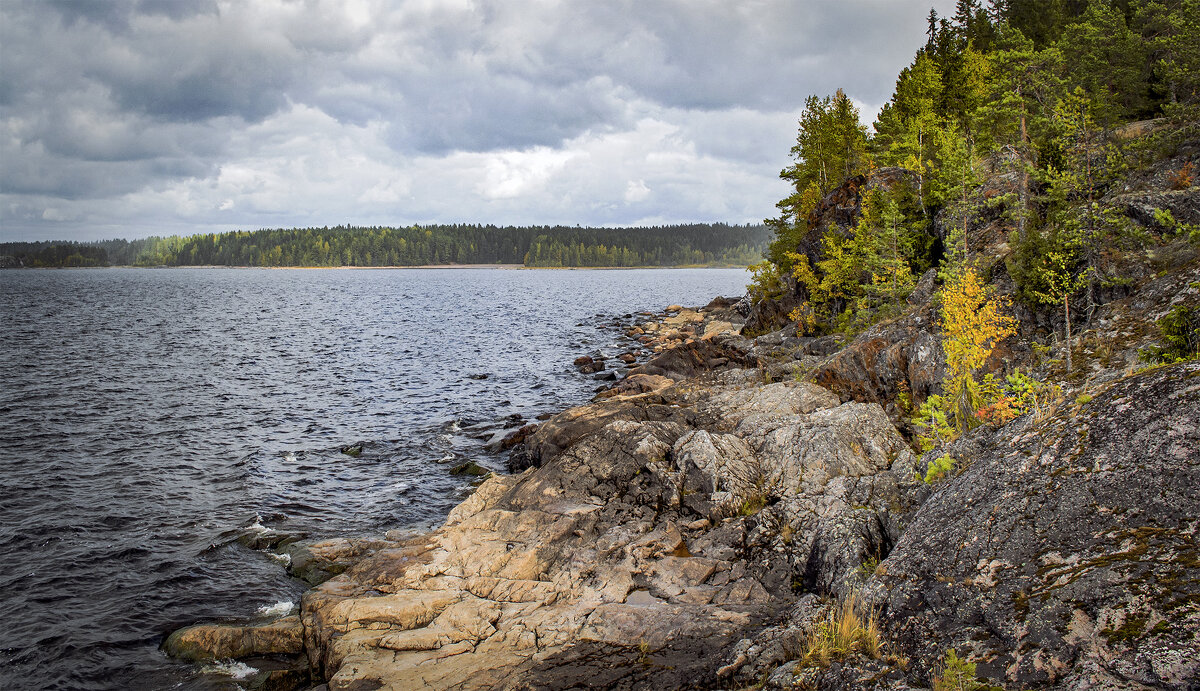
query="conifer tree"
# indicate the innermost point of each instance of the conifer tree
(1104, 57)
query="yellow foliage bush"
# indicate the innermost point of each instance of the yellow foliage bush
(973, 323)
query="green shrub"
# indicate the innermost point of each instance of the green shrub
(939, 469)
(1181, 336)
(765, 282)
(956, 675)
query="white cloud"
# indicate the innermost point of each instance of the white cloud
(636, 191)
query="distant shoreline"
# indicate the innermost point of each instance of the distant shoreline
(509, 267)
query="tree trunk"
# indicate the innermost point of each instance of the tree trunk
(1067, 314)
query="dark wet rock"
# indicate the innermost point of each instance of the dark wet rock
(691, 359)
(478, 377)
(205, 642)
(589, 365)
(352, 449)
(317, 562)
(264, 539)
(469, 468)
(277, 673)
(518, 436)
(610, 375)
(1065, 553)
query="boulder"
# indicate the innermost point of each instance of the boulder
(206, 642)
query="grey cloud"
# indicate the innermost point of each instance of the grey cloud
(116, 15)
(104, 99)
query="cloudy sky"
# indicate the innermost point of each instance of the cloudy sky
(129, 118)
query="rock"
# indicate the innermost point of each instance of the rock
(627, 358)
(658, 526)
(690, 359)
(478, 377)
(589, 365)
(517, 436)
(606, 376)
(352, 450)
(469, 468)
(317, 562)
(923, 293)
(1065, 553)
(886, 359)
(719, 303)
(637, 397)
(713, 328)
(674, 308)
(684, 317)
(205, 642)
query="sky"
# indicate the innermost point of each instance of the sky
(130, 118)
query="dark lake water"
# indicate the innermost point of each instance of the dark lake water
(150, 417)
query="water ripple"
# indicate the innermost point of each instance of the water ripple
(148, 418)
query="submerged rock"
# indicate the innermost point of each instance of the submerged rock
(469, 468)
(317, 562)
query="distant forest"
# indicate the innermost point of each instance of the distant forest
(541, 246)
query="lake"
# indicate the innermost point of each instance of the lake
(151, 417)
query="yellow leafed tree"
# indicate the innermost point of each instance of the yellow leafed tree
(973, 323)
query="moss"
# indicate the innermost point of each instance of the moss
(1128, 632)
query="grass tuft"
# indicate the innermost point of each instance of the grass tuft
(847, 629)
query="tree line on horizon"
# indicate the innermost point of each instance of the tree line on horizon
(533, 246)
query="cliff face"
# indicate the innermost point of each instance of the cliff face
(1066, 552)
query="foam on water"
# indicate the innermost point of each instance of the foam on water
(279, 609)
(230, 668)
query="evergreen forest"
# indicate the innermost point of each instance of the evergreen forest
(533, 246)
(1023, 115)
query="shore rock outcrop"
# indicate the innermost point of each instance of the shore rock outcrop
(657, 541)
(1066, 553)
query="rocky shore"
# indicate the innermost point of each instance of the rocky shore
(692, 526)
(741, 507)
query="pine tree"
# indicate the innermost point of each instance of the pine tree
(1104, 57)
